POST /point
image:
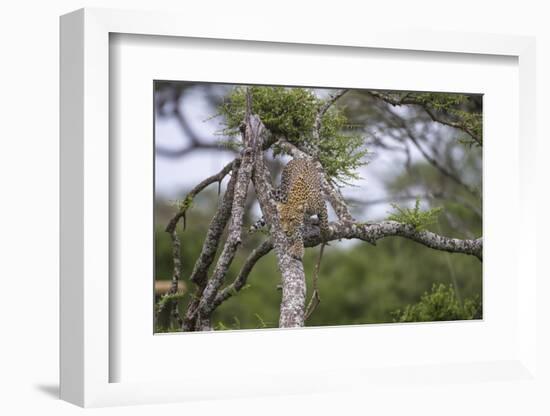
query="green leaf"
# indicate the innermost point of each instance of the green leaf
(415, 217)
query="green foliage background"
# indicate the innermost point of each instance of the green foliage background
(360, 284)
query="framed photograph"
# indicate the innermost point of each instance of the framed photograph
(294, 214)
(367, 165)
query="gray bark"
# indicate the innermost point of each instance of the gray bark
(215, 230)
(373, 232)
(234, 237)
(209, 248)
(292, 270)
(242, 277)
(218, 177)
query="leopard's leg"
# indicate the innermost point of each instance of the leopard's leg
(280, 194)
(297, 244)
(322, 214)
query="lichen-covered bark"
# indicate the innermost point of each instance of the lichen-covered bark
(292, 270)
(218, 177)
(373, 232)
(234, 236)
(242, 277)
(215, 230)
(209, 248)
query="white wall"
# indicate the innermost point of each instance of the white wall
(29, 184)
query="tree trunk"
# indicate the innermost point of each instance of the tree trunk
(292, 270)
(294, 289)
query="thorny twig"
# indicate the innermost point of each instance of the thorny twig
(315, 298)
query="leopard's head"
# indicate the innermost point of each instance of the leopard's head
(291, 217)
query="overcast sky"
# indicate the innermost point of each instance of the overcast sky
(174, 176)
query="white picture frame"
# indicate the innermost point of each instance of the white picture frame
(86, 356)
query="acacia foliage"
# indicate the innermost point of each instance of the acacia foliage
(290, 113)
(417, 218)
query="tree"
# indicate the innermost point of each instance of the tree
(297, 123)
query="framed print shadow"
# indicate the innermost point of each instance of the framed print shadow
(281, 206)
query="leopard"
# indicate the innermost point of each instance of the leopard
(298, 198)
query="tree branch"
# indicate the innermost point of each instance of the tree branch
(234, 237)
(218, 177)
(407, 99)
(242, 277)
(454, 177)
(167, 298)
(458, 126)
(366, 232)
(196, 142)
(331, 99)
(438, 165)
(371, 233)
(315, 298)
(209, 248)
(206, 304)
(292, 270)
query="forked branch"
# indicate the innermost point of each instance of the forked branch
(186, 203)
